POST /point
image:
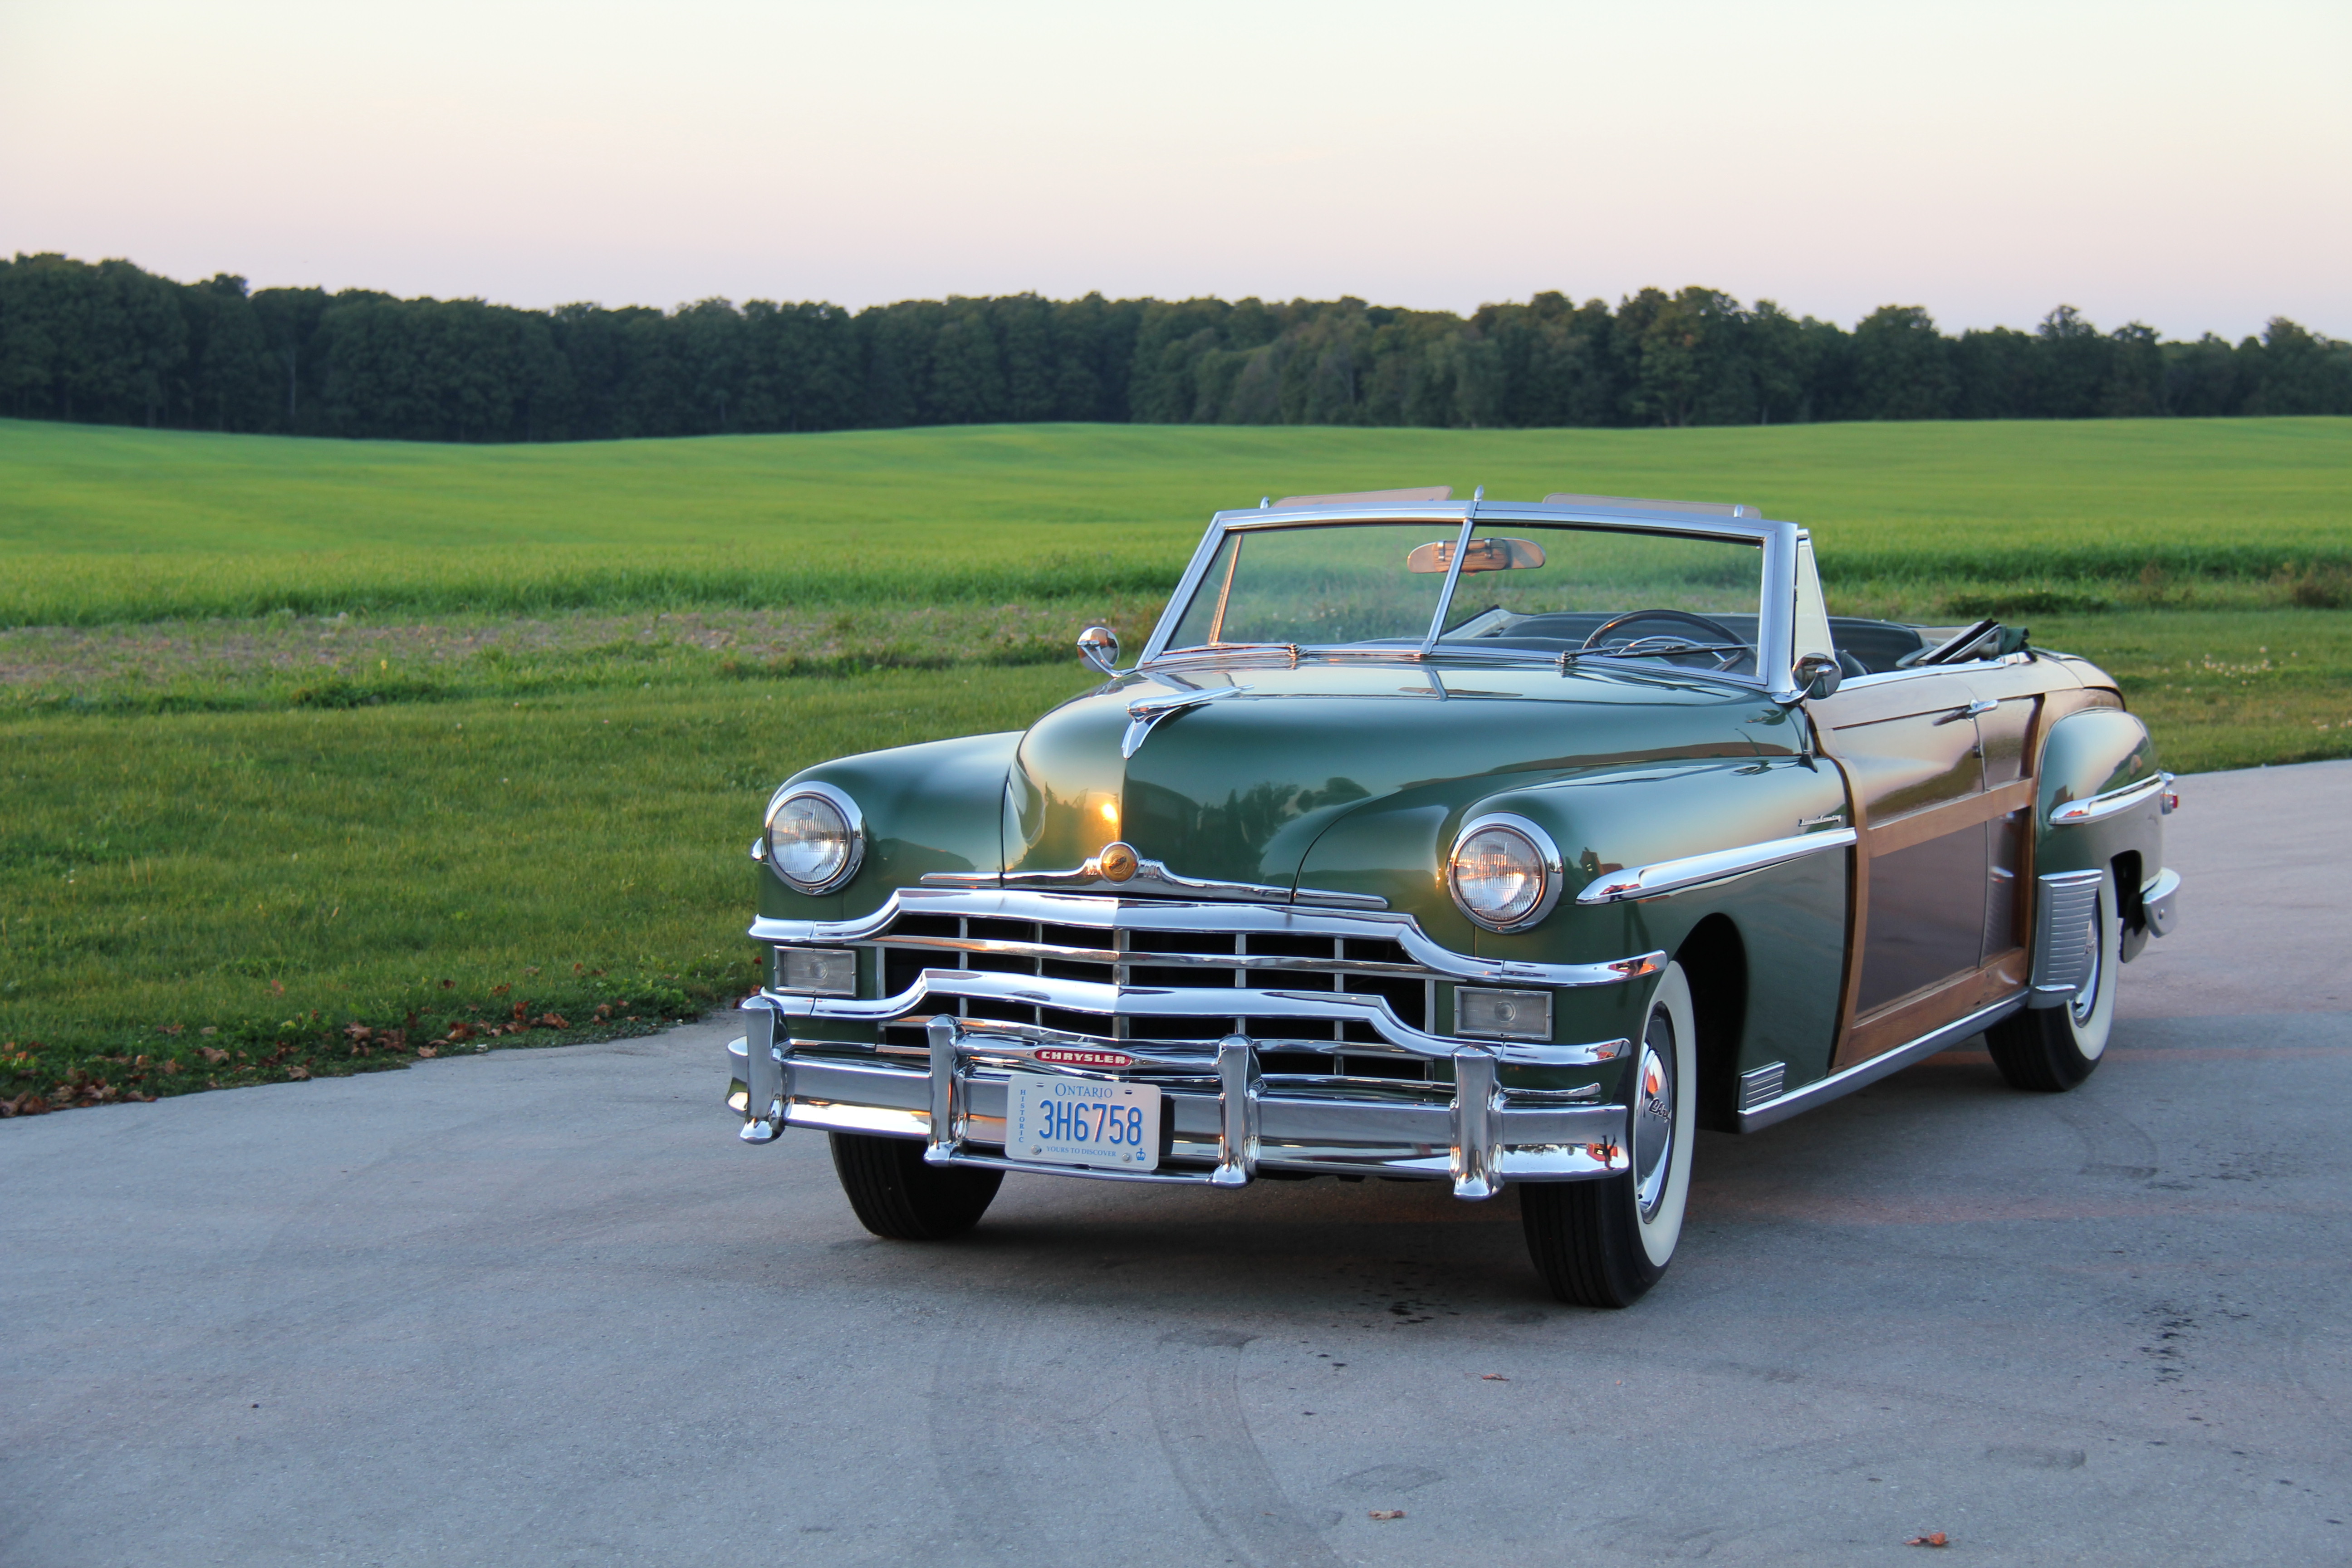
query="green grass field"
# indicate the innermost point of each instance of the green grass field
(319, 754)
(103, 525)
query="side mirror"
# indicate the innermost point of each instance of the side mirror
(1098, 646)
(1818, 675)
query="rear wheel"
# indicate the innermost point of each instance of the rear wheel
(2051, 1050)
(896, 1195)
(1602, 1244)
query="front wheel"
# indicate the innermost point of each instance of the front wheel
(2051, 1050)
(1602, 1244)
(896, 1196)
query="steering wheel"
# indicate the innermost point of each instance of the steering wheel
(1719, 632)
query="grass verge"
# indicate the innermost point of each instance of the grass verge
(199, 900)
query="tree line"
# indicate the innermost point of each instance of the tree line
(111, 343)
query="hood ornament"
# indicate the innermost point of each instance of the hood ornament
(1116, 862)
(1146, 712)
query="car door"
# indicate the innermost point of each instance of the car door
(1939, 847)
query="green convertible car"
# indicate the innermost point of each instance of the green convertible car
(1496, 843)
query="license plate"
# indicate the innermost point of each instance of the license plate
(1081, 1121)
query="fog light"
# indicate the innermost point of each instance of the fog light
(824, 971)
(1502, 1015)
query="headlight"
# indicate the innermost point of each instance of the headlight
(816, 837)
(1504, 872)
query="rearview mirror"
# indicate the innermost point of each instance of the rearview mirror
(1484, 555)
(1098, 646)
(1817, 674)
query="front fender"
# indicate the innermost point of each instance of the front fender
(1789, 920)
(1609, 823)
(939, 806)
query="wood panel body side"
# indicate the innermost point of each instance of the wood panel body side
(1907, 1019)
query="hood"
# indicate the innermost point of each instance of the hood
(1239, 788)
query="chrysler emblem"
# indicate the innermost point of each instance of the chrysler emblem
(1076, 1057)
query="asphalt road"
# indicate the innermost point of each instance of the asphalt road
(541, 1307)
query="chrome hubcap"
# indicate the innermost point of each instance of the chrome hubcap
(1654, 1116)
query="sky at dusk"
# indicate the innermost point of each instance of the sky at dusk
(2183, 165)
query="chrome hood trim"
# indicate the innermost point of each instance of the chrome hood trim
(1152, 877)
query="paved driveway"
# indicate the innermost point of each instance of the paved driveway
(542, 1308)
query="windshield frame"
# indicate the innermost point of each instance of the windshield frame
(1776, 589)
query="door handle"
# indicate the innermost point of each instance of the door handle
(1976, 709)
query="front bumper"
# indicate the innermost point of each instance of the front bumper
(1221, 1124)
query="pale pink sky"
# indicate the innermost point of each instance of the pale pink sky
(2186, 165)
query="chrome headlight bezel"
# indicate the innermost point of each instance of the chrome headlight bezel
(852, 822)
(1547, 857)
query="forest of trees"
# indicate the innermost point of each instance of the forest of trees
(110, 343)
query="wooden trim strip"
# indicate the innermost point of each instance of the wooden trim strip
(1935, 821)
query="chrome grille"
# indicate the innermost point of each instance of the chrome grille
(1168, 959)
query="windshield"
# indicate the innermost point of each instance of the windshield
(1531, 589)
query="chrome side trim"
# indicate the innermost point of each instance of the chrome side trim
(2106, 804)
(2062, 902)
(2157, 902)
(1697, 870)
(1862, 1074)
(1151, 876)
(1113, 914)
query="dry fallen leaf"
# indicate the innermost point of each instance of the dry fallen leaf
(1386, 1514)
(1492, 1377)
(212, 1053)
(1936, 1539)
(297, 1072)
(423, 1051)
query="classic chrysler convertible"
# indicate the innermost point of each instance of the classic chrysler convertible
(1496, 843)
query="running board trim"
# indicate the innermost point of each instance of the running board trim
(1862, 1074)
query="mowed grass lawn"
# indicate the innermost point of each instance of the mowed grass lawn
(318, 756)
(204, 898)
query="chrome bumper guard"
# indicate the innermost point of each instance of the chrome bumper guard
(2157, 902)
(1223, 1123)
